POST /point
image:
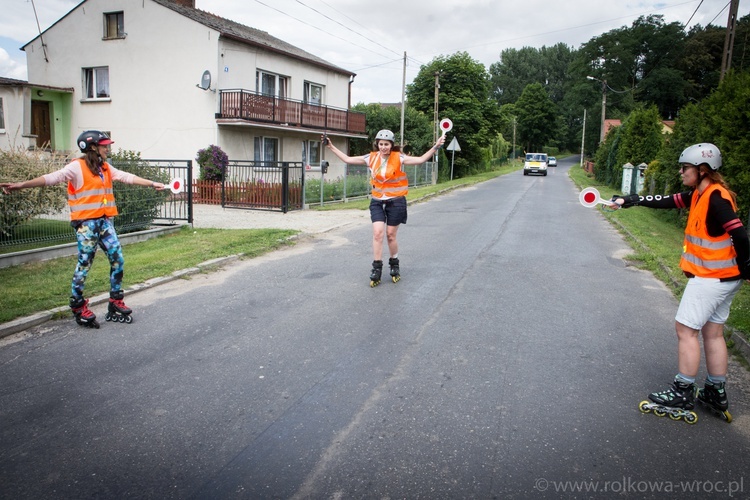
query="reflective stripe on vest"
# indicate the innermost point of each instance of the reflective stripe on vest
(95, 198)
(704, 255)
(395, 184)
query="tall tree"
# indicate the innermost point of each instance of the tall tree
(535, 117)
(464, 98)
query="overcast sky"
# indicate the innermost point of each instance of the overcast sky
(370, 38)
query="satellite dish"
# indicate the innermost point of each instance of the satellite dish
(205, 83)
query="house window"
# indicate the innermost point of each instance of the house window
(96, 83)
(270, 84)
(2, 117)
(313, 94)
(266, 149)
(114, 25)
(311, 152)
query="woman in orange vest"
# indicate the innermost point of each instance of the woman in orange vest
(715, 259)
(390, 186)
(92, 204)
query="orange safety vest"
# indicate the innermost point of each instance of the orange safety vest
(704, 255)
(396, 183)
(95, 198)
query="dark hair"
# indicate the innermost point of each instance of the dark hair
(716, 178)
(93, 160)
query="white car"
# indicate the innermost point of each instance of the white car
(535, 163)
(551, 161)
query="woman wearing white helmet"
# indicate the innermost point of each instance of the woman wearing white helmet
(715, 260)
(92, 204)
(389, 189)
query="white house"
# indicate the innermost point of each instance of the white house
(166, 79)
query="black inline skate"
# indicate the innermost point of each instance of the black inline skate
(377, 270)
(118, 311)
(678, 402)
(714, 397)
(395, 273)
(84, 316)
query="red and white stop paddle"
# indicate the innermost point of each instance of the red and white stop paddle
(446, 125)
(176, 185)
(589, 197)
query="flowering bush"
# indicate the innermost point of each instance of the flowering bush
(213, 162)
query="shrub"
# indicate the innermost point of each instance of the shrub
(213, 162)
(17, 165)
(137, 206)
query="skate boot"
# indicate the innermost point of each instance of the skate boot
(84, 316)
(118, 311)
(395, 274)
(377, 270)
(677, 402)
(714, 397)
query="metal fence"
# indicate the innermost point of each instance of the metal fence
(139, 207)
(263, 185)
(356, 183)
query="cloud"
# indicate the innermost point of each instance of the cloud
(11, 68)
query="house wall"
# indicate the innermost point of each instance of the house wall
(14, 135)
(156, 107)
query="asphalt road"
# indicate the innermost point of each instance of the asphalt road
(507, 363)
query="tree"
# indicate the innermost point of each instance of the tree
(418, 132)
(535, 118)
(465, 99)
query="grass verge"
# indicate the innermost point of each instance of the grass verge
(657, 237)
(40, 286)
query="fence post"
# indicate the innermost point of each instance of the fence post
(190, 190)
(284, 186)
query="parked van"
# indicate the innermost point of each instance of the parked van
(536, 163)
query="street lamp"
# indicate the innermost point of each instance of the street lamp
(604, 104)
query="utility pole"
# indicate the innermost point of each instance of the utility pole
(436, 118)
(583, 135)
(403, 101)
(604, 105)
(726, 60)
(514, 137)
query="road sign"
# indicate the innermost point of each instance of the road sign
(453, 146)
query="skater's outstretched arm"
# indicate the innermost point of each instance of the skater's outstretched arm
(418, 160)
(350, 160)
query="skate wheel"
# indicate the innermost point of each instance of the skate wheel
(676, 416)
(121, 319)
(108, 317)
(396, 279)
(691, 418)
(643, 406)
(660, 413)
(373, 284)
(128, 319)
(727, 416)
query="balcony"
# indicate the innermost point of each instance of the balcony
(252, 107)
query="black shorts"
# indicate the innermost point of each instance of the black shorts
(392, 211)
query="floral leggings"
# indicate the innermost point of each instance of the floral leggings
(91, 234)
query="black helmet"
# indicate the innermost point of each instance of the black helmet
(90, 137)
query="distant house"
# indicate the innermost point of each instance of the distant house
(25, 122)
(166, 79)
(667, 126)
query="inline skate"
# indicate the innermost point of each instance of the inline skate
(714, 397)
(84, 316)
(117, 310)
(395, 273)
(377, 270)
(678, 402)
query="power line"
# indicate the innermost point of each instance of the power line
(317, 28)
(345, 26)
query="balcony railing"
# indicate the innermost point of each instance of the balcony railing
(247, 105)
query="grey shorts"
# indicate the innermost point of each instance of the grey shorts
(392, 211)
(704, 300)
